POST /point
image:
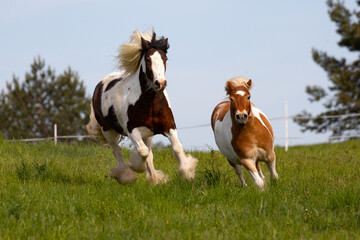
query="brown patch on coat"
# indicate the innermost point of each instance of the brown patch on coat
(112, 84)
(151, 110)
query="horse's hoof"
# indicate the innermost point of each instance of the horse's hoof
(157, 178)
(123, 175)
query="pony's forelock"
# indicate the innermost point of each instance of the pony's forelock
(130, 53)
(237, 82)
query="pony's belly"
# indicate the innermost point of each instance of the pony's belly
(223, 137)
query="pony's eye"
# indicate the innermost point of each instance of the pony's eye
(248, 97)
(147, 60)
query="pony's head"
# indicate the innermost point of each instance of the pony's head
(147, 51)
(238, 90)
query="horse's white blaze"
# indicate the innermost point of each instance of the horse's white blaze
(256, 112)
(240, 92)
(223, 136)
(157, 66)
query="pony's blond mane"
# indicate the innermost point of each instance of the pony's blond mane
(130, 53)
(237, 82)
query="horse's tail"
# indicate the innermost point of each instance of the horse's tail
(93, 127)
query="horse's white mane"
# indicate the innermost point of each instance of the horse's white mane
(237, 82)
(130, 53)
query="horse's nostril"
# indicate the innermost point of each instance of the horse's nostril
(245, 115)
(157, 83)
(237, 116)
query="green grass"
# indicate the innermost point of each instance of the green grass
(63, 191)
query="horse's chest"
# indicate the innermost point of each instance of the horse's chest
(151, 111)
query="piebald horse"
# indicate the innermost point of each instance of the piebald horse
(135, 103)
(243, 133)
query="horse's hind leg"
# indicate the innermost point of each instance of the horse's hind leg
(187, 163)
(153, 175)
(122, 173)
(238, 170)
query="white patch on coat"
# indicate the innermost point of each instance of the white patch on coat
(157, 66)
(241, 92)
(223, 137)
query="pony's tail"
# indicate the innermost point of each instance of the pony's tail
(93, 127)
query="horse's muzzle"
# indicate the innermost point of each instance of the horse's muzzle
(241, 118)
(160, 85)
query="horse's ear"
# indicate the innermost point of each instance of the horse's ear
(144, 44)
(165, 44)
(228, 87)
(249, 84)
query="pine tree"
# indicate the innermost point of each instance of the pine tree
(30, 109)
(344, 78)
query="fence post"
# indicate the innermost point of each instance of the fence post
(286, 127)
(55, 133)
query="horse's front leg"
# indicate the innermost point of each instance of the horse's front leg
(136, 138)
(187, 163)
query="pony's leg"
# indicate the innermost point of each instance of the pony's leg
(187, 163)
(152, 175)
(250, 166)
(238, 170)
(271, 166)
(258, 167)
(122, 173)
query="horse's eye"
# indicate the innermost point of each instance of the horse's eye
(248, 97)
(231, 100)
(147, 60)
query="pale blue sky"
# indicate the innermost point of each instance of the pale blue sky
(210, 42)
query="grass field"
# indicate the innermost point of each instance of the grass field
(62, 191)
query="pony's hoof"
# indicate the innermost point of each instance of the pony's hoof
(123, 175)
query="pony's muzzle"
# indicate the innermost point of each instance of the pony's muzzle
(160, 85)
(241, 118)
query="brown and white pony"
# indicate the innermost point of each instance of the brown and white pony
(243, 133)
(135, 103)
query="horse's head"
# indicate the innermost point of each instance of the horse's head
(239, 95)
(154, 55)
